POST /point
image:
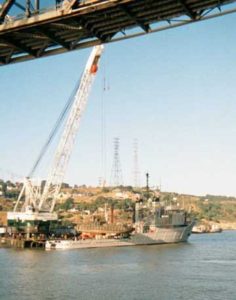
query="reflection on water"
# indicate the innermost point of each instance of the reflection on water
(204, 268)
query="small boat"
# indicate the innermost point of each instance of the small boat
(215, 228)
(206, 228)
(199, 229)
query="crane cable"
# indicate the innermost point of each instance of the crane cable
(54, 129)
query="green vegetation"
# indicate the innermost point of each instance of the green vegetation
(210, 210)
(68, 204)
(101, 201)
(218, 198)
(105, 190)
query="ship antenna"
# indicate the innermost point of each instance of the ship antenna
(147, 184)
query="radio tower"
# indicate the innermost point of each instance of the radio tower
(136, 167)
(116, 174)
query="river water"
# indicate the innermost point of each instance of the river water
(202, 269)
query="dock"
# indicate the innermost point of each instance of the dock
(22, 243)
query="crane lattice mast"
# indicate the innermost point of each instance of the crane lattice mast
(45, 201)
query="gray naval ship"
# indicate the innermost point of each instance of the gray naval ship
(154, 223)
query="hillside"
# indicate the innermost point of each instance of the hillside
(86, 204)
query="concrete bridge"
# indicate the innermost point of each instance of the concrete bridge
(74, 24)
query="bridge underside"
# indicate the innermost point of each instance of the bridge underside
(78, 24)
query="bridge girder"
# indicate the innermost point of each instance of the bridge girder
(76, 24)
(5, 9)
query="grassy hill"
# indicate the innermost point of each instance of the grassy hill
(88, 202)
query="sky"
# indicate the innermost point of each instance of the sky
(174, 91)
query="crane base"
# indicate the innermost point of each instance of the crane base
(32, 216)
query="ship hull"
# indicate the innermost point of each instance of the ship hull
(160, 236)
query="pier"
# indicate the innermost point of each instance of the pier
(18, 242)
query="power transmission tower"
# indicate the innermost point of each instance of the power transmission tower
(136, 172)
(116, 174)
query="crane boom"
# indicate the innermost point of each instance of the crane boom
(63, 152)
(45, 201)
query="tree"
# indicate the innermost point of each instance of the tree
(68, 204)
